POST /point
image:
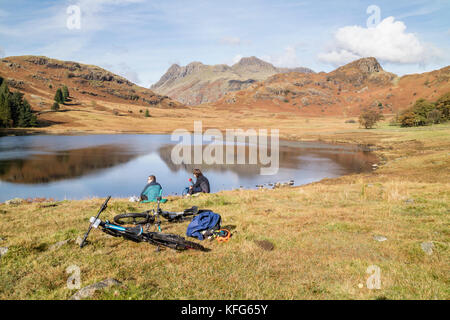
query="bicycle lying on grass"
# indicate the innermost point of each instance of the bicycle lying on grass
(137, 234)
(152, 216)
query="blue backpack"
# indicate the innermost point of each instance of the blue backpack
(203, 225)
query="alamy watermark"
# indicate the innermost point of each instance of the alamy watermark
(73, 21)
(375, 16)
(374, 280)
(74, 280)
(213, 147)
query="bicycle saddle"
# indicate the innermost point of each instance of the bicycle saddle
(135, 231)
(191, 211)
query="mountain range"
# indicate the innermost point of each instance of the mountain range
(198, 83)
(250, 84)
(345, 91)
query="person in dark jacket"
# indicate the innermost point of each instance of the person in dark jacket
(151, 181)
(201, 185)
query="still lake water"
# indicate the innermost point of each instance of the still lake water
(78, 167)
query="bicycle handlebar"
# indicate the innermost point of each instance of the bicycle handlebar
(103, 207)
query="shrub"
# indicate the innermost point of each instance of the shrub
(147, 113)
(424, 112)
(443, 105)
(408, 119)
(434, 116)
(55, 106)
(369, 117)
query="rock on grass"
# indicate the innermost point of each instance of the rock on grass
(59, 244)
(89, 291)
(3, 251)
(379, 238)
(427, 247)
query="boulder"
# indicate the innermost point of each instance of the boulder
(89, 291)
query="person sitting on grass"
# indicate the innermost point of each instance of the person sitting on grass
(201, 185)
(151, 191)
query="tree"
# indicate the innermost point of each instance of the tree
(426, 113)
(434, 116)
(59, 96)
(421, 109)
(55, 106)
(147, 113)
(15, 111)
(65, 92)
(26, 118)
(6, 119)
(443, 105)
(369, 117)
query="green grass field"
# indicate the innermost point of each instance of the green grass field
(323, 237)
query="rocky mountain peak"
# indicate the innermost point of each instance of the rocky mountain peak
(365, 65)
(198, 83)
(252, 61)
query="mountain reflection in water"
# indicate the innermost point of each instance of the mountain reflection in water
(78, 167)
(67, 164)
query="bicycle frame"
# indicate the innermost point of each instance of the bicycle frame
(103, 207)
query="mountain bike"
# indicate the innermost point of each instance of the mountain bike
(137, 234)
(152, 216)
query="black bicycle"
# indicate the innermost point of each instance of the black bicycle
(152, 216)
(137, 234)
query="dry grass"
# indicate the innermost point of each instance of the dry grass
(322, 235)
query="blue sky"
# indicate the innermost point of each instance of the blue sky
(140, 39)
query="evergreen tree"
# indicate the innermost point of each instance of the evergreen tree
(65, 92)
(59, 96)
(15, 111)
(147, 114)
(16, 102)
(5, 106)
(55, 106)
(26, 118)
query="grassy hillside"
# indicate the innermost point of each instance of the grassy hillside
(323, 235)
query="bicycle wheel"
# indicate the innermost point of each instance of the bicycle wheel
(175, 242)
(134, 218)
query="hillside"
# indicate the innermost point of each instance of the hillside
(93, 90)
(344, 91)
(198, 83)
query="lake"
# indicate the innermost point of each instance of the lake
(86, 166)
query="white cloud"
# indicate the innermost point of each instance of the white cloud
(127, 72)
(287, 59)
(388, 42)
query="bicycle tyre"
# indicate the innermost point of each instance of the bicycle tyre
(134, 219)
(176, 242)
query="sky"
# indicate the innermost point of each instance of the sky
(141, 39)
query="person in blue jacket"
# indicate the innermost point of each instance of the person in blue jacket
(151, 182)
